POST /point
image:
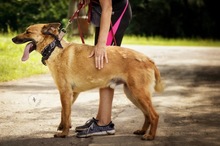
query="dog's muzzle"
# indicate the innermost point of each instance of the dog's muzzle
(31, 46)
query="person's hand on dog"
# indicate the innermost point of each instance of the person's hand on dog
(99, 50)
(100, 55)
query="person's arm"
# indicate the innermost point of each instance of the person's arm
(100, 49)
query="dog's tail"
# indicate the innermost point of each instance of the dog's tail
(159, 86)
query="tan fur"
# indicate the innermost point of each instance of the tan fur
(74, 72)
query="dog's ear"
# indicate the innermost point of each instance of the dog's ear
(50, 28)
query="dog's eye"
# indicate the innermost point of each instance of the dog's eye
(28, 32)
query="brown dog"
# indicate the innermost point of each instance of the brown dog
(74, 72)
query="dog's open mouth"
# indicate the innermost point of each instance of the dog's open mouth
(31, 46)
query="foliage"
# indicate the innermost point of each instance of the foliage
(166, 18)
(175, 18)
(19, 14)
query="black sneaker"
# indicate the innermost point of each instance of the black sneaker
(95, 129)
(86, 125)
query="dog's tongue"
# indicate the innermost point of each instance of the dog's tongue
(26, 51)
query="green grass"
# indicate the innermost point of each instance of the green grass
(156, 41)
(159, 41)
(12, 68)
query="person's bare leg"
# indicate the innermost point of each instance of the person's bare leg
(105, 106)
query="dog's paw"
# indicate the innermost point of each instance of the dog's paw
(147, 137)
(60, 135)
(60, 127)
(139, 132)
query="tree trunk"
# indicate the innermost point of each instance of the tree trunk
(86, 28)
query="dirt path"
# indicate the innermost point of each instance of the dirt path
(189, 108)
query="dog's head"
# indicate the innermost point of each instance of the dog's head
(38, 36)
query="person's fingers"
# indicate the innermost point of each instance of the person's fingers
(101, 61)
(97, 61)
(100, 58)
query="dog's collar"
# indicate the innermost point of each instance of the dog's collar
(47, 51)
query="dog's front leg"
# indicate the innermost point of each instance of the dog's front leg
(66, 98)
(74, 97)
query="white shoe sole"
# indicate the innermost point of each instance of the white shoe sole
(110, 132)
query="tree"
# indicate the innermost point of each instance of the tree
(82, 20)
(20, 14)
(166, 18)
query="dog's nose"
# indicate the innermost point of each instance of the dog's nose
(14, 39)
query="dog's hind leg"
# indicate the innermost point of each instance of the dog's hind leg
(133, 100)
(151, 117)
(140, 91)
(74, 97)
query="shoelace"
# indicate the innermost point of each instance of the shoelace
(90, 127)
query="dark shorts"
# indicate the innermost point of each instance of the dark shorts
(120, 20)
